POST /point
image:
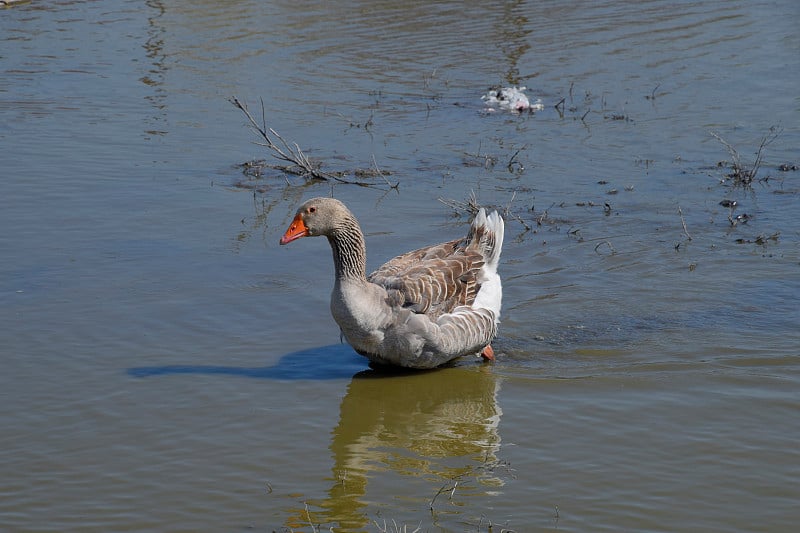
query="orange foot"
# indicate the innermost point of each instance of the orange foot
(488, 353)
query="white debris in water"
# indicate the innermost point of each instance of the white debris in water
(510, 99)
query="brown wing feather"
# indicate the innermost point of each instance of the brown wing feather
(433, 280)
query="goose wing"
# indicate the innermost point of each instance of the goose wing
(432, 280)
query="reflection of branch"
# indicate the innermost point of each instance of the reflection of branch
(283, 151)
(395, 528)
(310, 522)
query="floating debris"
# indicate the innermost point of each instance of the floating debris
(761, 240)
(510, 99)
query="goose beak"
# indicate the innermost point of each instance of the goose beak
(296, 230)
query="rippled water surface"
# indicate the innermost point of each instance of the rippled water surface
(167, 366)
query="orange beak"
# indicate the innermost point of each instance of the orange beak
(296, 230)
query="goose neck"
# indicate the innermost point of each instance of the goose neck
(349, 251)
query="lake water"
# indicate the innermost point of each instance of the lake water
(166, 366)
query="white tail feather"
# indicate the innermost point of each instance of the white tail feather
(490, 295)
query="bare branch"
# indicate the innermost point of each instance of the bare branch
(283, 151)
(741, 174)
(378, 171)
(471, 206)
(731, 149)
(773, 134)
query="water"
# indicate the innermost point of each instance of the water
(167, 366)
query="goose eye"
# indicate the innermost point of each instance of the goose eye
(312, 209)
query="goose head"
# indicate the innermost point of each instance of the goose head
(318, 216)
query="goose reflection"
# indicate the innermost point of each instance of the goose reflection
(439, 425)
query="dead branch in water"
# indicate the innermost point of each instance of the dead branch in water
(607, 243)
(383, 174)
(740, 173)
(652, 95)
(471, 206)
(683, 223)
(293, 154)
(508, 214)
(514, 166)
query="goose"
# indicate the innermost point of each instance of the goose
(421, 309)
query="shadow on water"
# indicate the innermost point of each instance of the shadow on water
(440, 426)
(336, 361)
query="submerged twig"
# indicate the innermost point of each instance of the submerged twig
(683, 223)
(607, 243)
(652, 95)
(514, 166)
